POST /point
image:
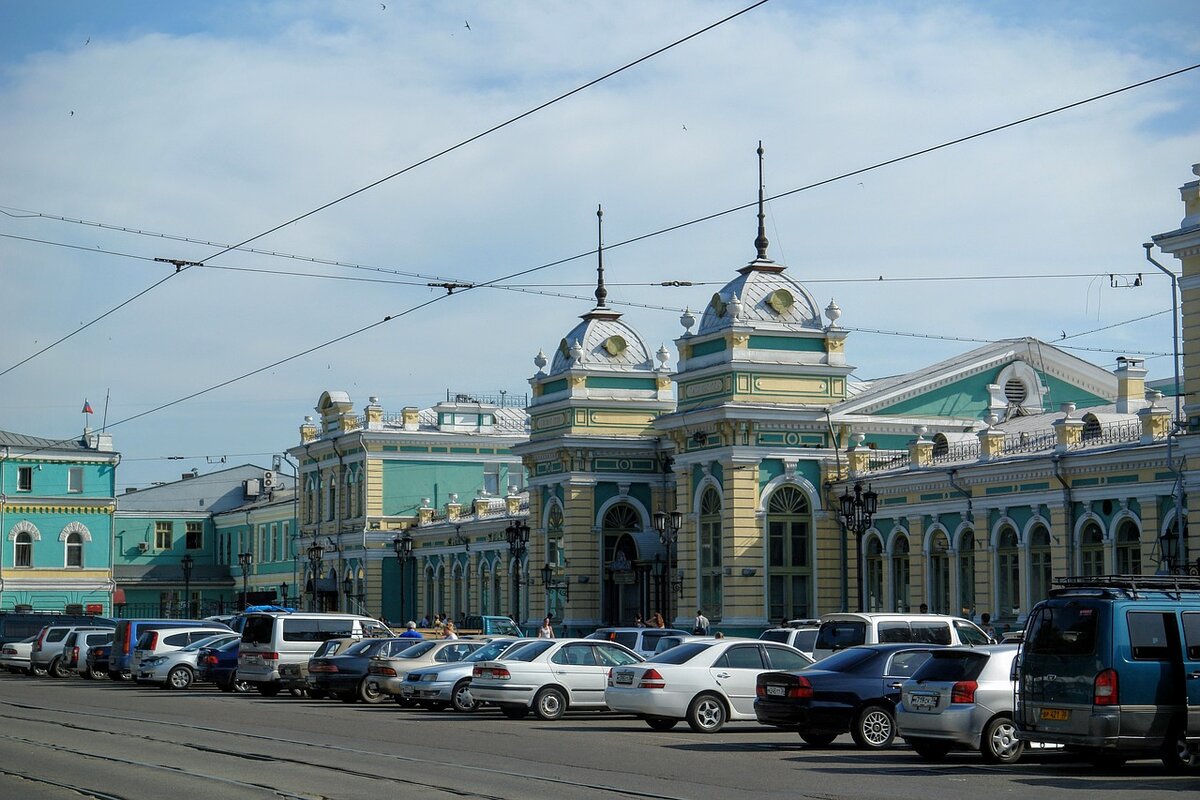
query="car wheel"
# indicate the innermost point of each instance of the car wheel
(1177, 756)
(706, 714)
(368, 694)
(56, 669)
(267, 689)
(661, 723)
(550, 703)
(930, 749)
(999, 744)
(818, 739)
(874, 728)
(460, 697)
(179, 678)
(514, 711)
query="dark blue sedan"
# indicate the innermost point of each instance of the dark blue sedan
(219, 665)
(854, 690)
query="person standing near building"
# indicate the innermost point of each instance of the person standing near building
(700, 628)
(547, 630)
(411, 631)
(985, 622)
(450, 632)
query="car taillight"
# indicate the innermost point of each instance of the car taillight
(497, 673)
(210, 659)
(270, 656)
(74, 655)
(380, 669)
(153, 643)
(41, 637)
(1105, 689)
(963, 692)
(652, 679)
(799, 690)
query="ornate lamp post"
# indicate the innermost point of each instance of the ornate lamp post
(283, 594)
(561, 587)
(315, 551)
(668, 526)
(517, 534)
(856, 512)
(187, 562)
(245, 560)
(403, 545)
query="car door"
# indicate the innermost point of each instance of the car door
(1191, 671)
(735, 673)
(574, 667)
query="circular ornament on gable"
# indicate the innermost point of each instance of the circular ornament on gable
(615, 345)
(781, 300)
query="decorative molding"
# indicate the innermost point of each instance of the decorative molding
(75, 527)
(24, 526)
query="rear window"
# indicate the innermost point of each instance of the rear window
(1068, 630)
(418, 650)
(627, 638)
(805, 639)
(775, 636)
(258, 630)
(681, 654)
(56, 634)
(840, 634)
(846, 660)
(489, 651)
(951, 667)
(529, 652)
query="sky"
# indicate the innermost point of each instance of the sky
(219, 121)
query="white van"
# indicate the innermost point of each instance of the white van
(839, 631)
(270, 639)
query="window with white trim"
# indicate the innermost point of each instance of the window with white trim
(23, 550)
(74, 547)
(75, 480)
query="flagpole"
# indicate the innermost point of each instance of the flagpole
(104, 422)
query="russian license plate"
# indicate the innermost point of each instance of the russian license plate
(1056, 714)
(776, 691)
(923, 701)
(624, 678)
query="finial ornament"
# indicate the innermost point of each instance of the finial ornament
(761, 242)
(687, 320)
(601, 292)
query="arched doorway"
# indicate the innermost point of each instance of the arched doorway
(624, 575)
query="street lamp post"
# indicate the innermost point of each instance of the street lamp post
(283, 594)
(316, 552)
(403, 546)
(517, 534)
(187, 562)
(856, 512)
(668, 526)
(245, 560)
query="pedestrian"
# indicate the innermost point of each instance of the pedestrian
(450, 633)
(547, 630)
(656, 620)
(411, 631)
(425, 621)
(985, 622)
(700, 628)
(924, 608)
(638, 622)
(718, 635)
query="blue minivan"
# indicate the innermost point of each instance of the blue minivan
(128, 631)
(1110, 668)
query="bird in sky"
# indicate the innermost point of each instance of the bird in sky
(89, 41)
(466, 25)
(383, 7)
(72, 113)
(685, 127)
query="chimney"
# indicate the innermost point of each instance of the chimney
(1131, 385)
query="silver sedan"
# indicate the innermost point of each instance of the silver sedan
(177, 669)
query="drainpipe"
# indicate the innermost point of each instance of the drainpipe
(1070, 504)
(1174, 331)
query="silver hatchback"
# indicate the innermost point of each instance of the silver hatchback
(962, 697)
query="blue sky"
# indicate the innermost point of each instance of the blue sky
(217, 121)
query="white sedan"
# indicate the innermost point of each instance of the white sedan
(707, 682)
(549, 676)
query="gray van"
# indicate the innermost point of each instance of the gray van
(272, 639)
(1110, 667)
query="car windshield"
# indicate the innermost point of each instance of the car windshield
(208, 641)
(418, 650)
(1068, 630)
(680, 654)
(846, 660)
(529, 652)
(951, 666)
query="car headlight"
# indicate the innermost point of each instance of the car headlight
(429, 676)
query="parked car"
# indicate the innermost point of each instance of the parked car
(47, 650)
(706, 682)
(802, 635)
(96, 661)
(161, 641)
(293, 677)
(389, 674)
(177, 668)
(344, 675)
(14, 656)
(121, 663)
(272, 639)
(219, 665)
(75, 648)
(640, 640)
(550, 676)
(1110, 667)
(850, 629)
(962, 698)
(855, 690)
(449, 684)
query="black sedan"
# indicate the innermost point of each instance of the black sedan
(344, 676)
(854, 690)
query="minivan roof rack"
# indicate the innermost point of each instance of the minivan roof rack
(1175, 583)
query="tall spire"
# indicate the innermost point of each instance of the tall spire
(601, 292)
(761, 241)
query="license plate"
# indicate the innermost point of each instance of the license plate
(406, 691)
(624, 678)
(924, 701)
(776, 691)
(1056, 714)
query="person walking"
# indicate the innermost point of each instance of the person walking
(547, 630)
(700, 628)
(411, 631)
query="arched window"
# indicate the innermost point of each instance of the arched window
(874, 570)
(789, 559)
(900, 574)
(966, 573)
(1091, 550)
(1129, 549)
(939, 574)
(710, 554)
(1008, 574)
(1040, 570)
(23, 550)
(74, 546)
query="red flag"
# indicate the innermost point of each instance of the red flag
(87, 407)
